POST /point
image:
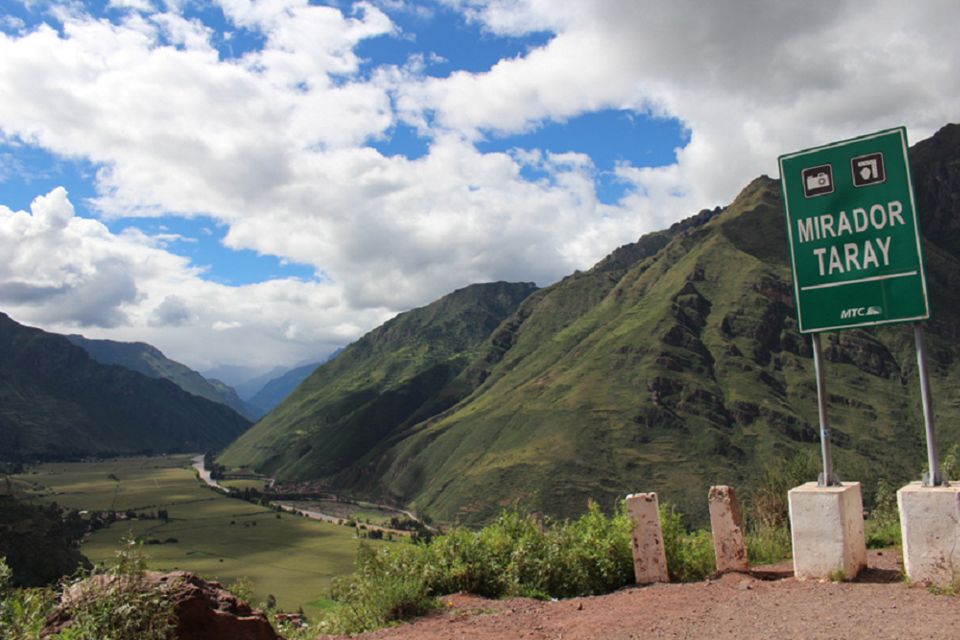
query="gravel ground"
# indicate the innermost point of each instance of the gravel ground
(767, 603)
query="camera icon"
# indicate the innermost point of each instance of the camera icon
(817, 180)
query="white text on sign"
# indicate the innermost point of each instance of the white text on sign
(858, 255)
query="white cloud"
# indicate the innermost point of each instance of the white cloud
(69, 273)
(750, 80)
(274, 144)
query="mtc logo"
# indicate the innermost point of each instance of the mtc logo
(860, 312)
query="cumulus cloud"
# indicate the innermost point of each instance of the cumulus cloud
(65, 272)
(275, 145)
(750, 80)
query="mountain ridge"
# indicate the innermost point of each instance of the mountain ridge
(399, 363)
(673, 364)
(56, 402)
(150, 361)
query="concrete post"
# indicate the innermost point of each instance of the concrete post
(826, 527)
(649, 557)
(930, 524)
(726, 522)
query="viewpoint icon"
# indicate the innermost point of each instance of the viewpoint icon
(868, 170)
(817, 181)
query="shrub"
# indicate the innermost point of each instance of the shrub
(382, 591)
(767, 504)
(768, 544)
(767, 510)
(514, 555)
(119, 604)
(22, 611)
(690, 555)
(883, 525)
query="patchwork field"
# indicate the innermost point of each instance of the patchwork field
(289, 557)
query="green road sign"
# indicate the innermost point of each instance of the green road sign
(854, 239)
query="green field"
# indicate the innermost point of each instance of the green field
(243, 484)
(290, 557)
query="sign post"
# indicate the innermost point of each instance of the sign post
(856, 252)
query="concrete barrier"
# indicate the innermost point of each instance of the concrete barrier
(826, 526)
(930, 524)
(726, 523)
(649, 557)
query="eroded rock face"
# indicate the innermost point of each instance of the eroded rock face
(203, 610)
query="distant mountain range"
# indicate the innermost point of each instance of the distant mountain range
(671, 365)
(150, 361)
(57, 402)
(276, 390)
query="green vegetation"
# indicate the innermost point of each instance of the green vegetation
(116, 604)
(672, 365)
(58, 403)
(292, 558)
(241, 484)
(22, 610)
(690, 555)
(516, 555)
(39, 542)
(882, 528)
(397, 374)
(150, 361)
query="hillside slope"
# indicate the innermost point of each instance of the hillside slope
(150, 361)
(394, 375)
(57, 402)
(672, 365)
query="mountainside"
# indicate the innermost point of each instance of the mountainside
(395, 375)
(672, 365)
(280, 387)
(150, 361)
(57, 402)
(246, 381)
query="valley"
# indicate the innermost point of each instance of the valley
(291, 558)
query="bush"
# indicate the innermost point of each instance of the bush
(767, 544)
(768, 507)
(22, 611)
(516, 555)
(382, 591)
(883, 525)
(690, 555)
(115, 605)
(120, 605)
(767, 510)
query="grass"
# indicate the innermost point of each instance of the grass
(243, 484)
(347, 510)
(292, 558)
(516, 555)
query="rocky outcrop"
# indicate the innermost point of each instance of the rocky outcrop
(203, 610)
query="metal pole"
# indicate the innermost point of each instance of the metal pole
(827, 478)
(932, 477)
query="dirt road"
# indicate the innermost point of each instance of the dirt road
(767, 604)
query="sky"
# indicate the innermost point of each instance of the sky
(258, 182)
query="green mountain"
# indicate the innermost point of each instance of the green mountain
(150, 361)
(57, 402)
(672, 365)
(395, 375)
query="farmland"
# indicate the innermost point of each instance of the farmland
(292, 558)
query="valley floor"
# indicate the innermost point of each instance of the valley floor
(879, 605)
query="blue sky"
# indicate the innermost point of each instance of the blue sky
(257, 183)
(445, 36)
